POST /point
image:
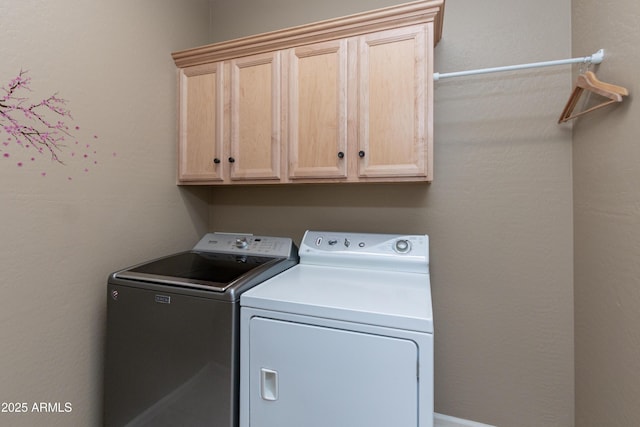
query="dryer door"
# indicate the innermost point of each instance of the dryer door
(313, 376)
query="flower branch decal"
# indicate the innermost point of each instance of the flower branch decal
(37, 128)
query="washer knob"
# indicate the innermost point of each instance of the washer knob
(402, 246)
(242, 243)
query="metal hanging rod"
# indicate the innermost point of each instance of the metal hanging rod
(596, 58)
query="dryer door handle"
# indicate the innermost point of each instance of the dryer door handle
(268, 384)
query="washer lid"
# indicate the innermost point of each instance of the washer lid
(383, 298)
(204, 270)
(220, 262)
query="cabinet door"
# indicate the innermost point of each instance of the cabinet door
(201, 123)
(255, 117)
(312, 376)
(318, 110)
(394, 121)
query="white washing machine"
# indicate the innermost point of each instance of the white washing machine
(343, 339)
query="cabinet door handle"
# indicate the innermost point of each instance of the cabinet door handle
(361, 153)
(268, 384)
(231, 160)
(340, 155)
(216, 160)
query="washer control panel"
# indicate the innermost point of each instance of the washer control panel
(246, 244)
(363, 249)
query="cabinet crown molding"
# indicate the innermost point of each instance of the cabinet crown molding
(361, 23)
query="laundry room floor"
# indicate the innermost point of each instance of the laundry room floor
(447, 421)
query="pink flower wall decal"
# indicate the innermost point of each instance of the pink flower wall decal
(37, 126)
(30, 124)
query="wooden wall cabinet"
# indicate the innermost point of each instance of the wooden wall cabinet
(394, 131)
(230, 121)
(200, 123)
(343, 100)
(317, 111)
(255, 145)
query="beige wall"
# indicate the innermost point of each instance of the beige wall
(606, 158)
(58, 238)
(499, 211)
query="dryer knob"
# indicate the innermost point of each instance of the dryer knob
(402, 246)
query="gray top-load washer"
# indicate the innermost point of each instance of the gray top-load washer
(172, 340)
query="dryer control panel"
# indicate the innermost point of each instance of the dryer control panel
(398, 252)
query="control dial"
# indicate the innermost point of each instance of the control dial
(241, 243)
(402, 246)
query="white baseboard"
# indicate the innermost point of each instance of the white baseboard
(447, 421)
